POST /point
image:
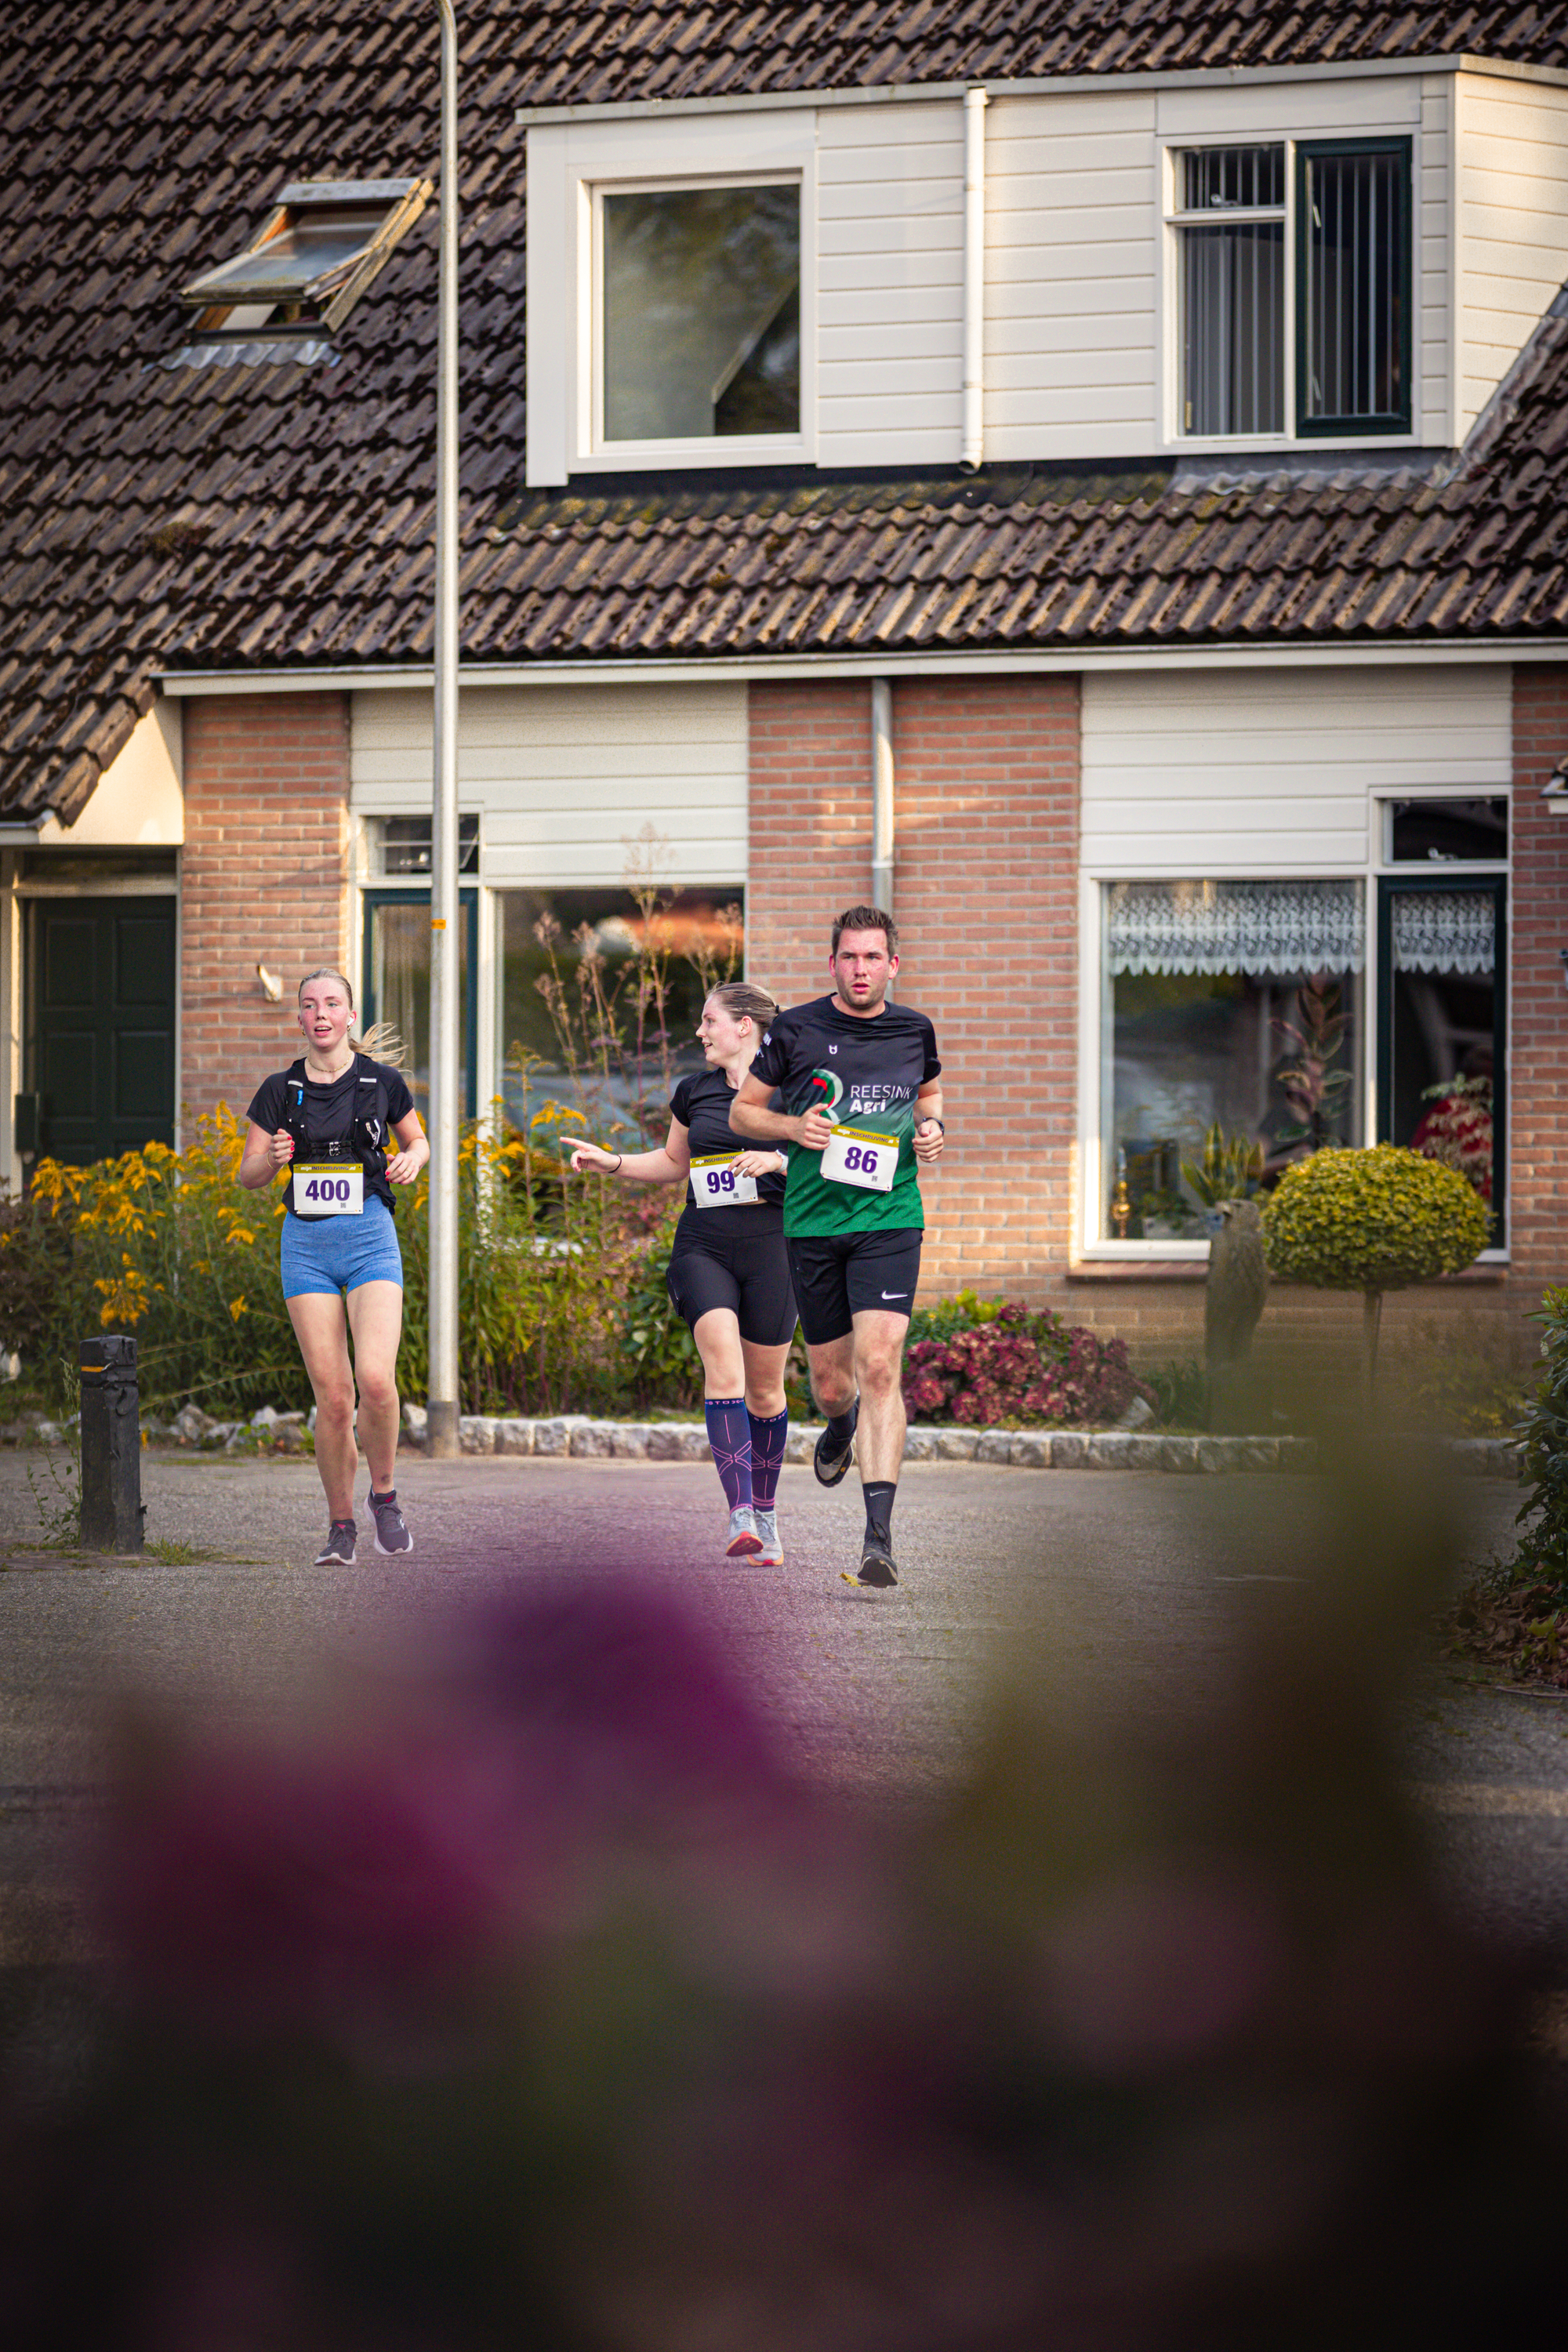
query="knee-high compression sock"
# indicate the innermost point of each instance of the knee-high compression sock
(730, 1435)
(767, 1455)
(879, 1495)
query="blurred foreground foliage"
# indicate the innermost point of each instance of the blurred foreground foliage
(534, 1999)
(1513, 1617)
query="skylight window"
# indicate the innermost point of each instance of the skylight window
(320, 246)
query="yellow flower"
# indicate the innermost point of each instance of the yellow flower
(237, 1308)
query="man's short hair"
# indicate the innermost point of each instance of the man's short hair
(865, 919)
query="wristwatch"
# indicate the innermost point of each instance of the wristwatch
(931, 1119)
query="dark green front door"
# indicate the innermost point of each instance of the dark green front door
(101, 1008)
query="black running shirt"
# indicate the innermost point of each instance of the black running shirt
(862, 1073)
(330, 1111)
(701, 1104)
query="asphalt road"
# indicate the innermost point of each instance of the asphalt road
(1144, 1585)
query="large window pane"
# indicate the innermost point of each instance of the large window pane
(1232, 292)
(702, 317)
(1354, 264)
(1233, 1006)
(1441, 1030)
(655, 966)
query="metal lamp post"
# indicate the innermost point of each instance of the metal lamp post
(445, 971)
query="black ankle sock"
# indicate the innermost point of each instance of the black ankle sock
(841, 1425)
(879, 1495)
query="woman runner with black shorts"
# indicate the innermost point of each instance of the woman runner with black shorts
(728, 1276)
(335, 1107)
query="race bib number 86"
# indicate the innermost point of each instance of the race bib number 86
(336, 1189)
(855, 1156)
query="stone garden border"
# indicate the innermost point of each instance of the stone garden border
(579, 1437)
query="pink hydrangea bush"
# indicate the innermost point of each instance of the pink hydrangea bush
(1018, 1366)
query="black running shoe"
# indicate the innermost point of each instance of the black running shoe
(391, 1528)
(877, 1568)
(831, 1467)
(338, 1551)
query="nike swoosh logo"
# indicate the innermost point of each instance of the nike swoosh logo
(895, 1294)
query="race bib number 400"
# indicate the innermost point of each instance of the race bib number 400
(855, 1156)
(336, 1189)
(715, 1184)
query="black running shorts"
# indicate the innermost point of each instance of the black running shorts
(839, 1276)
(745, 1268)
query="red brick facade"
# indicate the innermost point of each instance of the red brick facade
(263, 879)
(1537, 1060)
(985, 867)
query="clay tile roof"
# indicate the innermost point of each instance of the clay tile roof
(238, 515)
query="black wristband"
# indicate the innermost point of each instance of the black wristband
(931, 1119)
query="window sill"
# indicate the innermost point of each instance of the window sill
(1487, 1272)
(648, 457)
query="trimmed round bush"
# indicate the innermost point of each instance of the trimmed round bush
(1374, 1220)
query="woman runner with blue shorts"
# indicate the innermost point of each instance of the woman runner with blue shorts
(333, 1110)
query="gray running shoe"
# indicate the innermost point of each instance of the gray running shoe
(828, 1463)
(771, 1552)
(745, 1542)
(877, 1565)
(338, 1551)
(391, 1528)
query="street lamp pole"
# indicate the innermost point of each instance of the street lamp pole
(444, 967)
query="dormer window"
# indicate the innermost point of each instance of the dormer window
(700, 334)
(320, 246)
(1301, 242)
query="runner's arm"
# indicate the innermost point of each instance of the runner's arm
(929, 1138)
(671, 1165)
(749, 1115)
(404, 1165)
(263, 1156)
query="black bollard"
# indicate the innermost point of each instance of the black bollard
(110, 1446)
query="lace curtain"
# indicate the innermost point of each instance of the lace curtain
(1443, 930)
(1275, 928)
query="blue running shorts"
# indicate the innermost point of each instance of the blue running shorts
(333, 1254)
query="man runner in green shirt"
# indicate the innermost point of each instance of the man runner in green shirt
(860, 1080)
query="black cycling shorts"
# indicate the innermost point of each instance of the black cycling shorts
(739, 1265)
(839, 1276)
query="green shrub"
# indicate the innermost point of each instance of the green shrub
(1376, 1220)
(1543, 1436)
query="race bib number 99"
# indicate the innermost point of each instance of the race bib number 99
(855, 1156)
(336, 1189)
(715, 1184)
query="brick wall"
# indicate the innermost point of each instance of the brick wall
(985, 897)
(1537, 1061)
(266, 779)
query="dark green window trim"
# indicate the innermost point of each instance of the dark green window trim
(1362, 427)
(469, 899)
(1388, 884)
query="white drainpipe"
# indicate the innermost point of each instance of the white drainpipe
(882, 794)
(975, 105)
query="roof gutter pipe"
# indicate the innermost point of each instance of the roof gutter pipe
(882, 794)
(441, 1437)
(975, 104)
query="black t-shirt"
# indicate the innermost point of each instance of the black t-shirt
(330, 1111)
(864, 1073)
(701, 1104)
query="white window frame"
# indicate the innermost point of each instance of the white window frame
(1174, 218)
(570, 169)
(1093, 1243)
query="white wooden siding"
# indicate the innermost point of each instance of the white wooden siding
(1434, 410)
(1513, 141)
(566, 777)
(890, 232)
(1271, 772)
(1071, 254)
